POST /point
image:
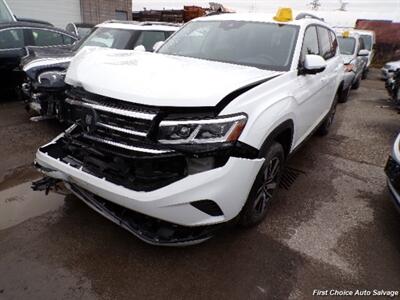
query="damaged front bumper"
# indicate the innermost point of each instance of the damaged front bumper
(182, 206)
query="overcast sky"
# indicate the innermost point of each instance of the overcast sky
(388, 6)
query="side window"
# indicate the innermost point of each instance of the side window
(67, 40)
(46, 37)
(324, 42)
(362, 44)
(149, 38)
(310, 43)
(334, 43)
(11, 39)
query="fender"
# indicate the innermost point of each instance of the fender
(233, 95)
(286, 125)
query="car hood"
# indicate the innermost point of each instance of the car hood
(158, 79)
(41, 59)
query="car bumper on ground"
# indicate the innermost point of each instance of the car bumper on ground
(228, 187)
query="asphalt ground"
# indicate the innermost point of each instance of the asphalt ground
(334, 228)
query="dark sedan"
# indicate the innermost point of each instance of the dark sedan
(14, 37)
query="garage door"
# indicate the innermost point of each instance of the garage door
(57, 12)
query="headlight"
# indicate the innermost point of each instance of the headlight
(52, 79)
(218, 130)
(348, 67)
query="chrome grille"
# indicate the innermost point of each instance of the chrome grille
(114, 122)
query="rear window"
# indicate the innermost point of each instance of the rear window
(367, 41)
(325, 44)
(347, 45)
(11, 39)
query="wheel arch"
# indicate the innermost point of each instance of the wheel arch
(282, 134)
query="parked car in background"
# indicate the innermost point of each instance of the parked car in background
(352, 52)
(369, 40)
(35, 21)
(45, 68)
(6, 15)
(81, 30)
(392, 85)
(392, 170)
(14, 37)
(170, 145)
(389, 68)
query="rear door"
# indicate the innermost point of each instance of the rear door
(12, 44)
(329, 51)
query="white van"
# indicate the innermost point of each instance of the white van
(369, 40)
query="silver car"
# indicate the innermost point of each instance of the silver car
(352, 52)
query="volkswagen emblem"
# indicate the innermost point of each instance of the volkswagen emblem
(90, 121)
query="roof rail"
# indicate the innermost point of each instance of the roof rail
(145, 23)
(149, 23)
(307, 15)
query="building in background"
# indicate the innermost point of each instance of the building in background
(62, 12)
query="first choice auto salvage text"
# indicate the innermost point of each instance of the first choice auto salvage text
(346, 293)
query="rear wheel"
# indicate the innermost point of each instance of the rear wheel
(264, 187)
(344, 95)
(356, 84)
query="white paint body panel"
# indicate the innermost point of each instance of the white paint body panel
(171, 203)
(173, 81)
(163, 80)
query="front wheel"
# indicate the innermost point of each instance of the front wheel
(264, 187)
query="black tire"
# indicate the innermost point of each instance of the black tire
(344, 95)
(264, 187)
(356, 84)
(326, 125)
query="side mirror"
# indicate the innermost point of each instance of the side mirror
(140, 48)
(157, 45)
(314, 64)
(363, 52)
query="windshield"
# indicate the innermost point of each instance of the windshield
(109, 38)
(262, 45)
(5, 15)
(347, 45)
(122, 38)
(367, 41)
(84, 31)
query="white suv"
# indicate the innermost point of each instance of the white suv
(170, 145)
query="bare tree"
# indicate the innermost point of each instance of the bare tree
(343, 5)
(315, 4)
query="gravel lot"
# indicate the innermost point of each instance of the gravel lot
(334, 228)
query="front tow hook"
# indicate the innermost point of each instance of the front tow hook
(45, 184)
